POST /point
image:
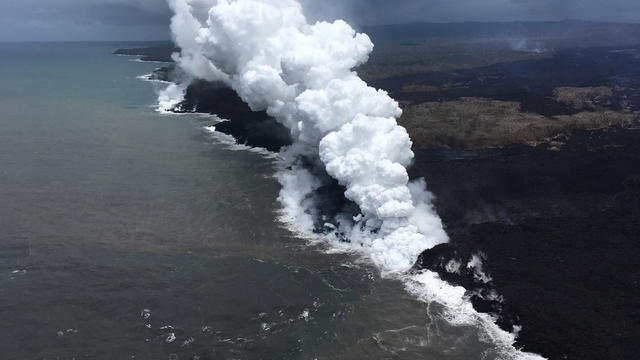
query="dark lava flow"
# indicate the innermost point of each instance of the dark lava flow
(558, 231)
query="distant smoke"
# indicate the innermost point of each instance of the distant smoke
(525, 45)
(302, 75)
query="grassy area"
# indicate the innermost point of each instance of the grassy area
(584, 98)
(472, 123)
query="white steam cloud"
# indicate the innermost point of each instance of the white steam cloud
(302, 75)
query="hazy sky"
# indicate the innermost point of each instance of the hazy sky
(148, 19)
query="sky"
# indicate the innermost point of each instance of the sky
(46, 20)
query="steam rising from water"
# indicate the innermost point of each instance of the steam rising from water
(302, 75)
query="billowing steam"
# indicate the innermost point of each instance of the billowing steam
(302, 75)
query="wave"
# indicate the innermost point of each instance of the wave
(150, 78)
(232, 143)
(138, 59)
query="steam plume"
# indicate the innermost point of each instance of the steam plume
(302, 75)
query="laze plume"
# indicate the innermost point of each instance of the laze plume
(302, 75)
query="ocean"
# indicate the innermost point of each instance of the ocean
(130, 234)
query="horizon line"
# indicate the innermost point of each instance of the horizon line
(610, 22)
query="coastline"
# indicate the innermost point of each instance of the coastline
(474, 215)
